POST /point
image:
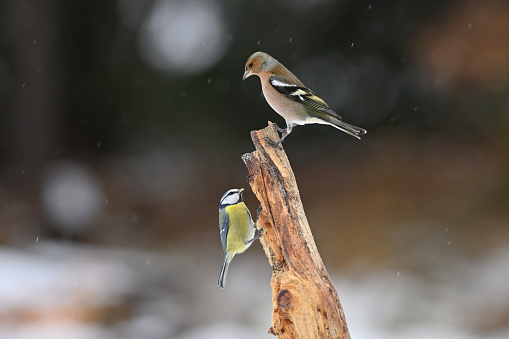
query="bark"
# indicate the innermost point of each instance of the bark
(305, 302)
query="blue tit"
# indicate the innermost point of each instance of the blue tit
(236, 227)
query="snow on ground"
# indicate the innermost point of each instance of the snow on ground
(53, 290)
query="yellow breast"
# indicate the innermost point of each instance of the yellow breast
(240, 227)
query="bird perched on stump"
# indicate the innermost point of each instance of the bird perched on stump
(236, 228)
(288, 96)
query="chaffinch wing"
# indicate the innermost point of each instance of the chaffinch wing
(302, 95)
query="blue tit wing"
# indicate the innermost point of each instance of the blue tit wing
(224, 226)
(313, 104)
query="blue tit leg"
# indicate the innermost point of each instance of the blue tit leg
(224, 271)
(258, 213)
(256, 236)
(257, 230)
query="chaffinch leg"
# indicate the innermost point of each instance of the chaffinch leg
(279, 129)
(286, 132)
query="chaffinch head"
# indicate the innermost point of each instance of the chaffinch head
(288, 96)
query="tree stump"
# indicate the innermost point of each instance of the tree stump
(305, 303)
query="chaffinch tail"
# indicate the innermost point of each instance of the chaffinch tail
(288, 96)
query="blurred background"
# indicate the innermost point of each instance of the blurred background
(122, 123)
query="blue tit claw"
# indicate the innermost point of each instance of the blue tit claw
(259, 232)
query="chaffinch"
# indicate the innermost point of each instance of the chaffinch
(288, 96)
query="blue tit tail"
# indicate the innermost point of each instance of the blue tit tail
(224, 271)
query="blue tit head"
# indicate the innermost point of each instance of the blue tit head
(231, 197)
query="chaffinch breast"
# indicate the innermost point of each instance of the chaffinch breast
(288, 96)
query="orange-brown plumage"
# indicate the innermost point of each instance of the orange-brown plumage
(288, 96)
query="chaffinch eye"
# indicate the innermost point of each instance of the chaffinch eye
(250, 65)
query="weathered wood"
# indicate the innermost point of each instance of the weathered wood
(305, 303)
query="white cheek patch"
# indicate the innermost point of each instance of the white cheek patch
(230, 199)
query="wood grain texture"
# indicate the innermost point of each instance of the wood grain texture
(305, 303)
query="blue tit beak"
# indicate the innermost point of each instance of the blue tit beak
(247, 74)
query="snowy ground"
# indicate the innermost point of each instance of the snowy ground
(53, 290)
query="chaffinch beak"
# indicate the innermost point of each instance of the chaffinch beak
(247, 74)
